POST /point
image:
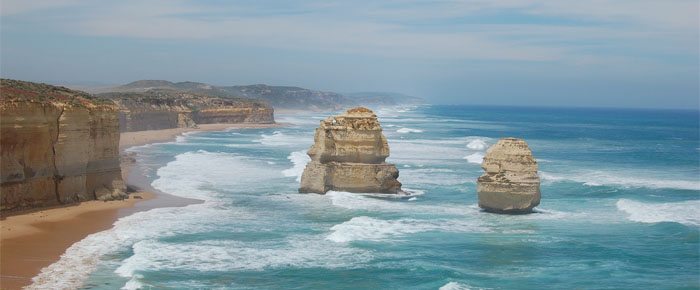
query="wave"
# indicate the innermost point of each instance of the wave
(299, 159)
(182, 177)
(354, 201)
(455, 286)
(408, 130)
(365, 228)
(475, 158)
(228, 255)
(600, 178)
(685, 212)
(477, 144)
(280, 139)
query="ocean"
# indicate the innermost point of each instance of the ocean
(620, 209)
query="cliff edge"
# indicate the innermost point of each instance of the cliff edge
(165, 109)
(58, 146)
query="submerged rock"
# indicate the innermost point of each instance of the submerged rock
(348, 154)
(510, 183)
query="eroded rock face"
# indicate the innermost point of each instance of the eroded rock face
(510, 183)
(166, 109)
(58, 146)
(349, 154)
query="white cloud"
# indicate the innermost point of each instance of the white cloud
(393, 28)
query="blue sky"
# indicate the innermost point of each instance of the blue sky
(620, 53)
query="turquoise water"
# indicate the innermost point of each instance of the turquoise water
(620, 209)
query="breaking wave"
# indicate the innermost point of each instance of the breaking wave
(685, 212)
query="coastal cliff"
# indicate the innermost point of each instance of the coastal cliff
(165, 109)
(510, 183)
(349, 154)
(280, 97)
(58, 146)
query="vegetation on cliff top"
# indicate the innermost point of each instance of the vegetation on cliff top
(22, 91)
(175, 98)
(278, 96)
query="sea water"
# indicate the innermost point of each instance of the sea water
(620, 209)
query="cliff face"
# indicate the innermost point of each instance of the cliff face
(165, 109)
(58, 146)
(348, 154)
(510, 183)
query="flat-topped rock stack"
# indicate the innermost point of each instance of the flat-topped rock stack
(510, 183)
(349, 154)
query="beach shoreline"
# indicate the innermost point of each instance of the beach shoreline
(34, 239)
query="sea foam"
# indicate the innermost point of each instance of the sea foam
(477, 144)
(475, 158)
(600, 178)
(455, 286)
(685, 212)
(373, 229)
(299, 159)
(409, 130)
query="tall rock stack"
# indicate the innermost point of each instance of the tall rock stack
(349, 154)
(510, 183)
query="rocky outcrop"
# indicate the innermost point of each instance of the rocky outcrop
(58, 146)
(166, 109)
(510, 183)
(349, 154)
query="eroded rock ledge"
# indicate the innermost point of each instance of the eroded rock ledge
(349, 154)
(58, 146)
(167, 109)
(510, 183)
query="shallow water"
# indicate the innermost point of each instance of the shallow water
(620, 209)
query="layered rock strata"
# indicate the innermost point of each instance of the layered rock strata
(166, 109)
(510, 183)
(349, 154)
(58, 146)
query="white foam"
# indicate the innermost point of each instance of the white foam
(408, 130)
(299, 159)
(371, 229)
(685, 212)
(477, 144)
(134, 283)
(598, 178)
(182, 177)
(475, 158)
(354, 201)
(228, 255)
(455, 286)
(281, 139)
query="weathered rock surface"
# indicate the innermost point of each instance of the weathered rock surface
(349, 154)
(510, 183)
(165, 109)
(58, 146)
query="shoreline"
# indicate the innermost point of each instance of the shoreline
(35, 239)
(139, 138)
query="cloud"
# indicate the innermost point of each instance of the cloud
(11, 7)
(439, 30)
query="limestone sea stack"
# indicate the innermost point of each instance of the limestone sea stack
(349, 154)
(510, 183)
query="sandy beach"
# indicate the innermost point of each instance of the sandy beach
(33, 240)
(129, 139)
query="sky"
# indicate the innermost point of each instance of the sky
(607, 53)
